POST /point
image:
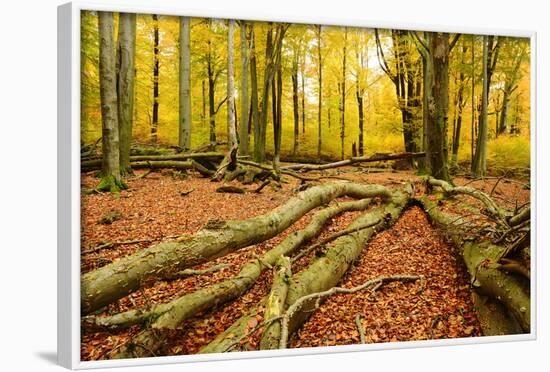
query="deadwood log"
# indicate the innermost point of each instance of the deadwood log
(354, 160)
(507, 294)
(216, 157)
(169, 315)
(217, 238)
(248, 323)
(275, 304)
(501, 215)
(326, 271)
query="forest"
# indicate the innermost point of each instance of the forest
(257, 185)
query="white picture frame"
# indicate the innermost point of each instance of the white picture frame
(69, 183)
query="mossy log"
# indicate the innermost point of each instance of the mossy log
(169, 315)
(501, 215)
(508, 294)
(88, 165)
(354, 160)
(326, 271)
(275, 304)
(217, 238)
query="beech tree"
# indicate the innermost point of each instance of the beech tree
(184, 139)
(126, 50)
(231, 126)
(479, 163)
(110, 172)
(435, 48)
(156, 70)
(244, 126)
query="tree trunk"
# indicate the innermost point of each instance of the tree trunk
(326, 271)
(231, 129)
(354, 160)
(277, 125)
(258, 151)
(320, 93)
(243, 129)
(323, 273)
(479, 166)
(110, 177)
(275, 304)
(125, 85)
(507, 292)
(359, 97)
(217, 238)
(295, 104)
(156, 40)
(343, 95)
(211, 90)
(459, 107)
(184, 139)
(170, 315)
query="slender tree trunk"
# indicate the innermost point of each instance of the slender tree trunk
(459, 107)
(295, 104)
(343, 95)
(319, 94)
(303, 78)
(273, 56)
(509, 87)
(155, 121)
(185, 85)
(203, 113)
(479, 165)
(110, 180)
(244, 127)
(231, 129)
(473, 103)
(277, 125)
(254, 97)
(211, 90)
(125, 85)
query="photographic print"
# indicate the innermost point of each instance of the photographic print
(253, 185)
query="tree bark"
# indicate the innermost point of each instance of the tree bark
(295, 104)
(217, 238)
(231, 126)
(243, 129)
(460, 103)
(125, 85)
(156, 68)
(275, 304)
(506, 291)
(169, 315)
(326, 271)
(184, 138)
(343, 95)
(320, 93)
(110, 180)
(258, 150)
(360, 159)
(479, 165)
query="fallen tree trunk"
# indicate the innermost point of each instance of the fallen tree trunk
(275, 304)
(354, 160)
(508, 300)
(169, 315)
(180, 165)
(88, 165)
(326, 271)
(499, 214)
(217, 238)
(231, 288)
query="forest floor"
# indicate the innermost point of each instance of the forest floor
(160, 207)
